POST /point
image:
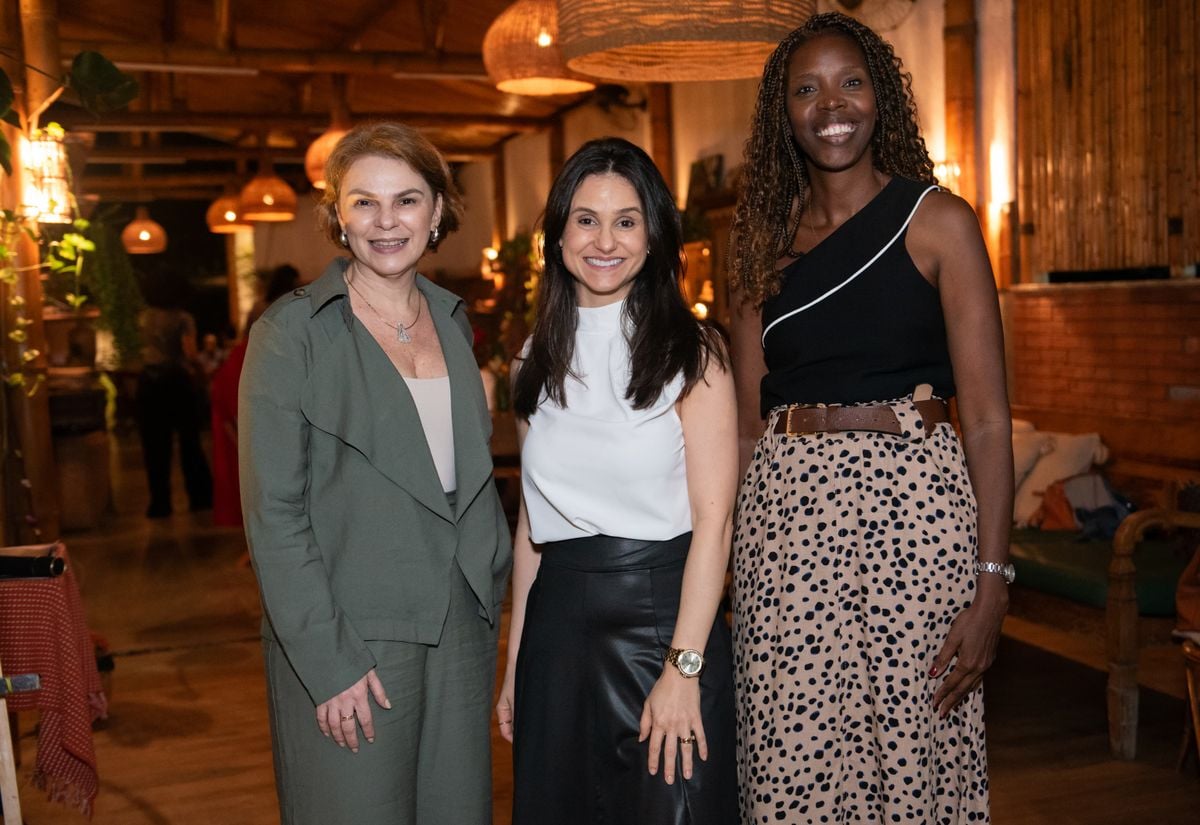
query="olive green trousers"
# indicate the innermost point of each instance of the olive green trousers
(431, 759)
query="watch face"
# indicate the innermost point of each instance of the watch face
(690, 662)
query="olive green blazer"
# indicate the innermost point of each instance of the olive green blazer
(350, 533)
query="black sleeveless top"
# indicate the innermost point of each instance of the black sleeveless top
(855, 321)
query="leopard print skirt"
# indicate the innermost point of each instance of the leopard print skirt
(853, 553)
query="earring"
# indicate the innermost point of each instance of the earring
(434, 235)
(345, 241)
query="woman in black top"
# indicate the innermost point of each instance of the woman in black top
(870, 574)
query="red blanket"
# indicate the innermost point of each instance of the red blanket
(43, 631)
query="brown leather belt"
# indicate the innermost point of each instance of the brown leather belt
(875, 418)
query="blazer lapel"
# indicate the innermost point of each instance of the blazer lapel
(355, 394)
(468, 408)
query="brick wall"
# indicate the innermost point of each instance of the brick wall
(1122, 359)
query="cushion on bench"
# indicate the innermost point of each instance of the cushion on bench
(1055, 561)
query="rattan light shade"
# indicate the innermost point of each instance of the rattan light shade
(318, 153)
(522, 54)
(652, 40)
(143, 236)
(224, 215)
(267, 197)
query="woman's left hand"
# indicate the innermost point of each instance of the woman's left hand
(671, 714)
(973, 638)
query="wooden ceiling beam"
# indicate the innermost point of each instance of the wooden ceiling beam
(214, 121)
(367, 21)
(174, 57)
(172, 155)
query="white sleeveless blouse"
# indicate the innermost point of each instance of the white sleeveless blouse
(598, 466)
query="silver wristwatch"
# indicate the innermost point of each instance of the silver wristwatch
(690, 662)
(1006, 570)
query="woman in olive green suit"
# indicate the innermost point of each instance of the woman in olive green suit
(378, 539)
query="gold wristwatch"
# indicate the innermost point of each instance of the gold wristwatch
(689, 662)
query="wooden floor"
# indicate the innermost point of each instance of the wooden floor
(186, 741)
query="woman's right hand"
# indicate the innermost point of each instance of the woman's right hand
(335, 717)
(504, 708)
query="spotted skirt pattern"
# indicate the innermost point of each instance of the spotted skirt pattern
(853, 554)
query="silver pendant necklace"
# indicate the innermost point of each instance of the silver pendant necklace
(401, 330)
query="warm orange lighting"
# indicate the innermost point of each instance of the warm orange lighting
(223, 216)
(318, 153)
(268, 198)
(47, 188)
(521, 53)
(652, 40)
(700, 310)
(143, 236)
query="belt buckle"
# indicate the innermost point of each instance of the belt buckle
(794, 432)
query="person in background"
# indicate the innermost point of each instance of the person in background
(169, 400)
(223, 396)
(618, 694)
(211, 355)
(870, 554)
(375, 530)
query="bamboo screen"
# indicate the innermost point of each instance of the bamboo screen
(1108, 113)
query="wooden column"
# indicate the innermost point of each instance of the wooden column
(558, 146)
(959, 44)
(30, 425)
(662, 135)
(499, 200)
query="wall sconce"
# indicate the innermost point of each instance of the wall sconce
(47, 197)
(143, 236)
(522, 54)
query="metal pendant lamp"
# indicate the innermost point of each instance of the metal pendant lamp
(655, 41)
(267, 197)
(522, 54)
(143, 236)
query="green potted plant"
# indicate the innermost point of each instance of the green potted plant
(100, 87)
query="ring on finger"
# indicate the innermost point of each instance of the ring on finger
(687, 740)
(347, 718)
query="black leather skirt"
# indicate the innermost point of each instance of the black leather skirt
(599, 619)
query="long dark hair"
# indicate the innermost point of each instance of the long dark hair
(665, 340)
(774, 190)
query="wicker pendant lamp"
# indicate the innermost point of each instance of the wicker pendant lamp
(655, 41)
(881, 15)
(522, 54)
(339, 125)
(683, 40)
(224, 215)
(143, 236)
(267, 197)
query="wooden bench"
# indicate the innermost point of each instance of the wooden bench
(1150, 465)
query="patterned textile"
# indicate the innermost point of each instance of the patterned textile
(853, 553)
(42, 631)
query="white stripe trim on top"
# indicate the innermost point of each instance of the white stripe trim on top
(861, 270)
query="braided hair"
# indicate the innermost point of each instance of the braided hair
(774, 186)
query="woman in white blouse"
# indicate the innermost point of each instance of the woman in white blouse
(617, 694)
